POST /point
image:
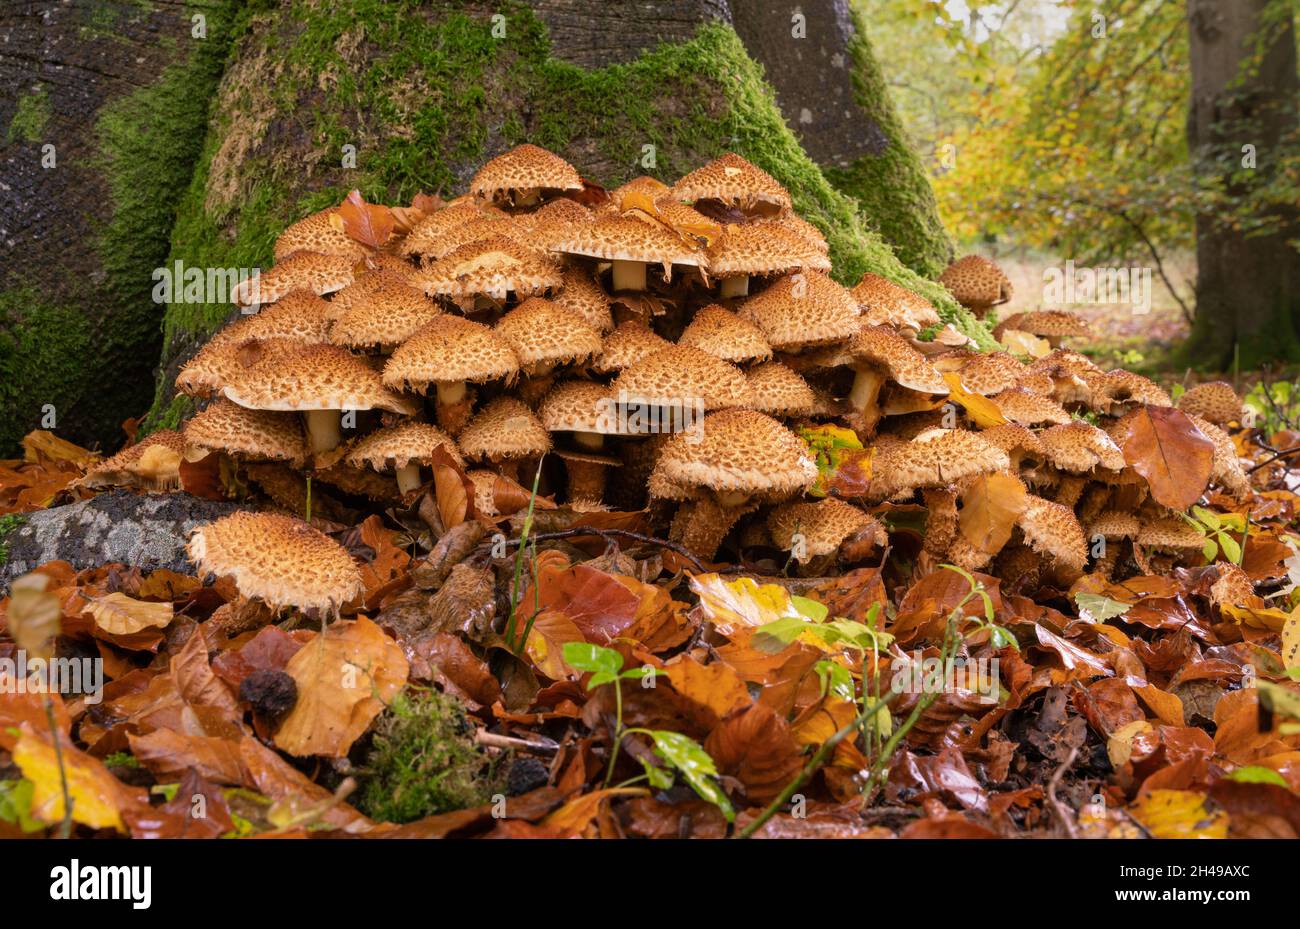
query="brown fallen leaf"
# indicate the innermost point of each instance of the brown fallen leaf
(1174, 456)
(118, 614)
(991, 505)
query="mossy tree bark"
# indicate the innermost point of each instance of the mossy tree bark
(422, 94)
(1244, 93)
(101, 122)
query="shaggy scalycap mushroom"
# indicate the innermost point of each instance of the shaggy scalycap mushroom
(393, 312)
(300, 316)
(523, 175)
(933, 459)
(151, 464)
(1029, 409)
(733, 181)
(403, 448)
(429, 236)
(259, 435)
(582, 408)
(802, 309)
(877, 355)
(822, 526)
(725, 335)
(629, 343)
(760, 248)
(1215, 401)
(580, 293)
(320, 274)
(779, 391)
(494, 267)
(543, 335)
(976, 283)
(1053, 325)
(885, 303)
(681, 374)
(1053, 531)
(278, 559)
(1080, 447)
(315, 233)
(631, 244)
(505, 431)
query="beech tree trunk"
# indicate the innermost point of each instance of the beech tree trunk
(1248, 287)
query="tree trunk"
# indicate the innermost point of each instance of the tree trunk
(101, 121)
(1248, 287)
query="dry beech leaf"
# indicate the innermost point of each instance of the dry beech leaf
(98, 798)
(34, 616)
(1179, 814)
(1175, 457)
(368, 223)
(991, 505)
(982, 411)
(345, 677)
(118, 614)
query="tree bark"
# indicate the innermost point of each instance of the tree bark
(1248, 287)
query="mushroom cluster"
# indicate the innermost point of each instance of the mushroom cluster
(680, 347)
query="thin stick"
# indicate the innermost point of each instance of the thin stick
(579, 531)
(65, 827)
(1057, 807)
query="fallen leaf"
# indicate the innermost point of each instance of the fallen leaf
(1174, 456)
(991, 506)
(118, 614)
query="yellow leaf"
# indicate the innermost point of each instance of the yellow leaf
(1179, 814)
(1120, 744)
(991, 505)
(982, 410)
(1023, 343)
(40, 444)
(118, 614)
(1290, 641)
(96, 794)
(578, 813)
(1269, 617)
(741, 602)
(345, 677)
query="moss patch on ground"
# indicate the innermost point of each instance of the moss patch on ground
(425, 95)
(908, 219)
(424, 761)
(8, 523)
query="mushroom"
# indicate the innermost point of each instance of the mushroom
(933, 459)
(523, 176)
(260, 435)
(988, 373)
(815, 532)
(733, 182)
(549, 225)
(580, 293)
(1052, 325)
(278, 559)
(1214, 401)
(740, 459)
(299, 315)
(449, 353)
(320, 381)
(877, 354)
(760, 248)
(885, 303)
(629, 343)
(1111, 526)
(544, 335)
(316, 233)
(1029, 409)
(681, 378)
(152, 464)
(320, 274)
(976, 283)
(1053, 531)
(581, 407)
(1018, 442)
(725, 335)
(631, 244)
(505, 432)
(429, 239)
(1080, 448)
(491, 268)
(404, 448)
(1075, 379)
(803, 309)
(1168, 534)
(778, 391)
(393, 312)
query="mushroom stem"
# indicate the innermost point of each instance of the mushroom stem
(323, 431)
(629, 275)
(701, 525)
(586, 481)
(408, 478)
(528, 196)
(863, 396)
(453, 407)
(737, 286)
(732, 499)
(592, 441)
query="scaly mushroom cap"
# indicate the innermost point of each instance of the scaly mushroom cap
(316, 233)
(976, 282)
(824, 525)
(1028, 409)
(805, 230)
(524, 167)
(1012, 437)
(313, 377)
(1113, 524)
(680, 374)
(254, 434)
(883, 348)
(542, 333)
(495, 266)
(1227, 469)
(734, 181)
(628, 344)
(300, 316)
(1080, 447)
(449, 350)
(1170, 533)
(1123, 388)
(363, 286)
(1215, 401)
(801, 309)
(552, 222)
(1053, 531)
(738, 451)
(725, 335)
(484, 491)
(400, 445)
(764, 247)
(503, 430)
(626, 238)
(278, 559)
(151, 463)
(885, 303)
(221, 361)
(779, 391)
(429, 237)
(1075, 379)
(933, 459)
(393, 313)
(988, 373)
(1053, 323)
(576, 406)
(320, 274)
(580, 293)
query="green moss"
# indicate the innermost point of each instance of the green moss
(892, 187)
(424, 761)
(33, 112)
(8, 523)
(45, 350)
(424, 94)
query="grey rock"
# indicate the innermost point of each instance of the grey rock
(148, 531)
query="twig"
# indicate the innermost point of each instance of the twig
(1057, 807)
(495, 740)
(1284, 453)
(65, 827)
(578, 531)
